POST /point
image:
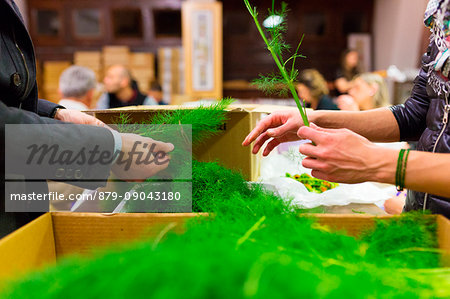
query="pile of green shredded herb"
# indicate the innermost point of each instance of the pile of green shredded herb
(254, 246)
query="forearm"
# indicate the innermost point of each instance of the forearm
(428, 172)
(425, 172)
(377, 125)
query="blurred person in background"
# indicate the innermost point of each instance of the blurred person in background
(312, 88)
(19, 105)
(76, 87)
(348, 69)
(121, 90)
(367, 91)
(156, 93)
(342, 148)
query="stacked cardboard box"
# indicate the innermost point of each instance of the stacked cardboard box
(116, 55)
(142, 67)
(171, 70)
(91, 60)
(51, 73)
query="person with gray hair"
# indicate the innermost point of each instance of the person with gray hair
(76, 86)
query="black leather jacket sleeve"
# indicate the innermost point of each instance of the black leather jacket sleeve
(411, 116)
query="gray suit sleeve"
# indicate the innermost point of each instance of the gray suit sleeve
(41, 148)
(46, 108)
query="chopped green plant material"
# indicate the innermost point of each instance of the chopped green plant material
(253, 245)
(256, 245)
(275, 27)
(358, 212)
(392, 242)
(312, 184)
(204, 122)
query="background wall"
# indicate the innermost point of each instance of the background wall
(398, 34)
(325, 23)
(398, 29)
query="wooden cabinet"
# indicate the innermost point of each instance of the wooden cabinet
(87, 23)
(47, 23)
(61, 27)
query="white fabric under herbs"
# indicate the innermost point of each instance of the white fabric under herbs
(273, 174)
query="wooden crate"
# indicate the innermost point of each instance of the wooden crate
(142, 60)
(88, 58)
(43, 241)
(143, 76)
(116, 55)
(52, 70)
(92, 60)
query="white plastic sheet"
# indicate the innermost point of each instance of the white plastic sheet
(276, 165)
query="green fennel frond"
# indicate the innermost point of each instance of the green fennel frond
(271, 84)
(273, 36)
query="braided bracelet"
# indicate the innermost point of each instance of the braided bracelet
(401, 169)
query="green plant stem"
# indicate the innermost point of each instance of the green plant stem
(279, 65)
(295, 56)
(250, 232)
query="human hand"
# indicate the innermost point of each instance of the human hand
(282, 126)
(346, 102)
(141, 157)
(77, 117)
(394, 205)
(340, 155)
